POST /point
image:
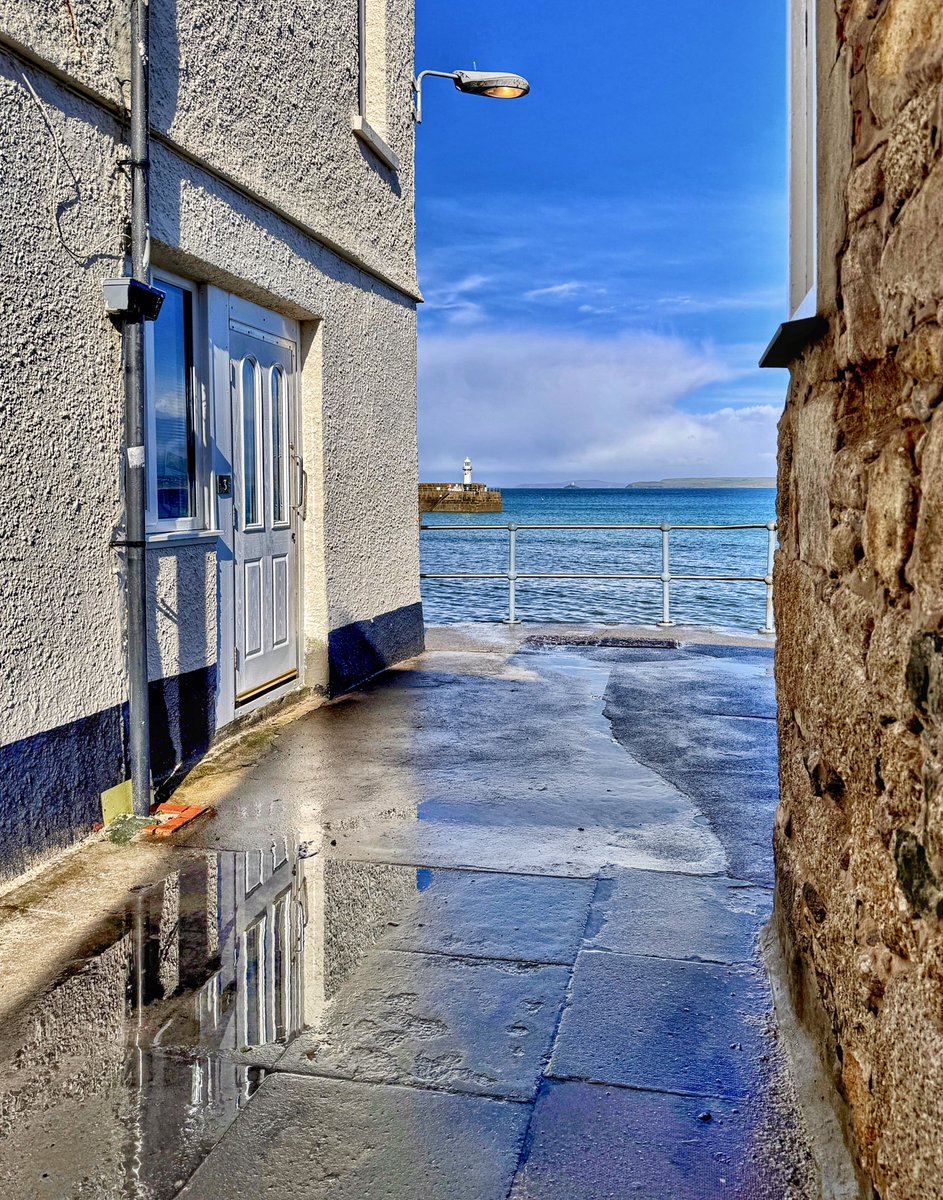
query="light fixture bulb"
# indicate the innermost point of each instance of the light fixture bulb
(504, 92)
(501, 85)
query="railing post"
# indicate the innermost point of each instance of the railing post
(665, 579)
(512, 575)
(770, 626)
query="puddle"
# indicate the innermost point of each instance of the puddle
(120, 1078)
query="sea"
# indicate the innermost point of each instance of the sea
(734, 607)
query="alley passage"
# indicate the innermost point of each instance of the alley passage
(486, 929)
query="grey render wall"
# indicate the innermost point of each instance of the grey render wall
(258, 186)
(263, 94)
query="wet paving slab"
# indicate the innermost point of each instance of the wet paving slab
(666, 1025)
(477, 914)
(711, 919)
(314, 1138)
(588, 1141)
(448, 937)
(455, 1024)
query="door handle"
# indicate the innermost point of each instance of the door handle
(301, 486)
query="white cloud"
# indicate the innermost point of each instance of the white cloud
(595, 310)
(532, 405)
(763, 299)
(452, 300)
(556, 291)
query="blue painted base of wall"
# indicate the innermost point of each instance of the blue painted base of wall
(51, 783)
(358, 651)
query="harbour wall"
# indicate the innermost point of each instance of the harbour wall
(472, 498)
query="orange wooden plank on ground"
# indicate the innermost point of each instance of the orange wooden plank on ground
(177, 815)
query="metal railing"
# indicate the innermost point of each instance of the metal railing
(665, 578)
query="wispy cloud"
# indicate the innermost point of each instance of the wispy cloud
(452, 300)
(555, 291)
(723, 301)
(596, 310)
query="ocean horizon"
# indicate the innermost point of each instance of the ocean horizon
(734, 607)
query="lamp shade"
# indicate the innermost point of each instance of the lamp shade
(502, 85)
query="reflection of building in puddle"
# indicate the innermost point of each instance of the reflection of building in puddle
(119, 1079)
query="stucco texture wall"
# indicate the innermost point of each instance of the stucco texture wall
(263, 94)
(61, 649)
(859, 598)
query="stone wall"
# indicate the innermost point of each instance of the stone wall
(859, 598)
(473, 498)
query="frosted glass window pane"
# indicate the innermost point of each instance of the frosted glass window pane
(279, 457)
(250, 444)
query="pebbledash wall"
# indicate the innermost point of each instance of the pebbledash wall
(261, 191)
(859, 587)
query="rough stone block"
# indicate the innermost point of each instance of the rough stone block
(889, 514)
(925, 572)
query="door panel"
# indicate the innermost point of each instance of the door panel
(280, 599)
(264, 534)
(252, 574)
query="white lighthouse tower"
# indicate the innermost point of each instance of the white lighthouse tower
(468, 472)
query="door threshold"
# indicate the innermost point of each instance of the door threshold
(265, 688)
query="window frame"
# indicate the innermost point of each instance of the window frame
(370, 123)
(803, 159)
(198, 343)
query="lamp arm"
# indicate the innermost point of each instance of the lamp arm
(417, 89)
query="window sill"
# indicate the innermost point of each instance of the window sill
(791, 338)
(180, 537)
(364, 132)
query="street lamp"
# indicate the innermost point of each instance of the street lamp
(501, 85)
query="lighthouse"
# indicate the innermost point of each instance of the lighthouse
(468, 472)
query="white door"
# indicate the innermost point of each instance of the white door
(266, 499)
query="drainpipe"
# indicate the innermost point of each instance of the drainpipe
(135, 477)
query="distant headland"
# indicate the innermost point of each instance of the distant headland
(733, 481)
(720, 481)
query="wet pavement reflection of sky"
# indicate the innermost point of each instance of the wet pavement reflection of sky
(486, 894)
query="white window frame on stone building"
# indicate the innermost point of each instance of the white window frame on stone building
(803, 166)
(195, 336)
(370, 122)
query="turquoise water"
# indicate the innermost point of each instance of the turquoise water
(732, 606)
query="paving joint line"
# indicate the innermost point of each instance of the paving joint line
(526, 962)
(471, 869)
(666, 958)
(590, 1081)
(707, 962)
(437, 1089)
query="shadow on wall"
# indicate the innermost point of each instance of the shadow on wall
(181, 656)
(51, 785)
(361, 649)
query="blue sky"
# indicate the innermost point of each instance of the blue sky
(604, 260)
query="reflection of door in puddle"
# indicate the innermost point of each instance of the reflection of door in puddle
(264, 531)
